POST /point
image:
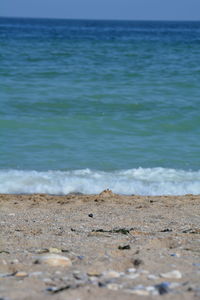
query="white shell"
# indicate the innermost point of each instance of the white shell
(173, 274)
(54, 260)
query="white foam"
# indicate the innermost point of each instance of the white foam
(140, 181)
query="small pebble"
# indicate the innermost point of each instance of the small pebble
(140, 292)
(79, 276)
(4, 251)
(90, 215)
(4, 275)
(21, 274)
(111, 274)
(173, 274)
(93, 279)
(143, 271)
(132, 276)
(51, 289)
(174, 285)
(54, 250)
(131, 270)
(152, 277)
(65, 250)
(101, 284)
(166, 230)
(113, 286)
(41, 251)
(14, 261)
(175, 254)
(48, 250)
(94, 274)
(36, 274)
(47, 280)
(163, 288)
(126, 247)
(151, 289)
(54, 260)
(137, 262)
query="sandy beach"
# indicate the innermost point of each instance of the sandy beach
(118, 247)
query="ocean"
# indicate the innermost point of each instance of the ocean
(88, 105)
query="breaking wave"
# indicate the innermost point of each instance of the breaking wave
(140, 181)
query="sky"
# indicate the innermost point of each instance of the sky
(103, 9)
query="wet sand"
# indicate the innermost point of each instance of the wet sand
(140, 239)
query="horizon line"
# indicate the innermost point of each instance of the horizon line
(99, 19)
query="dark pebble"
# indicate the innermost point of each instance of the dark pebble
(163, 288)
(166, 230)
(90, 215)
(137, 262)
(65, 250)
(101, 284)
(126, 247)
(80, 257)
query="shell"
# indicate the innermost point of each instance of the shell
(173, 274)
(54, 260)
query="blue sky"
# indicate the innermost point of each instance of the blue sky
(103, 9)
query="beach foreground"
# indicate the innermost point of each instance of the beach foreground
(119, 247)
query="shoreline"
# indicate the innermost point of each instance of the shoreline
(118, 247)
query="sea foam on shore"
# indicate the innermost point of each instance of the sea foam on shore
(141, 181)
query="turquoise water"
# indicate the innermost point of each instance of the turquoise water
(101, 97)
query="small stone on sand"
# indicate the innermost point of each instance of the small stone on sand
(173, 274)
(54, 260)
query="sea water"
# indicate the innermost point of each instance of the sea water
(88, 105)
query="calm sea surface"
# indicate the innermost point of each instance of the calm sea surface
(88, 105)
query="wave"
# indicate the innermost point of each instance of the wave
(140, 181)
